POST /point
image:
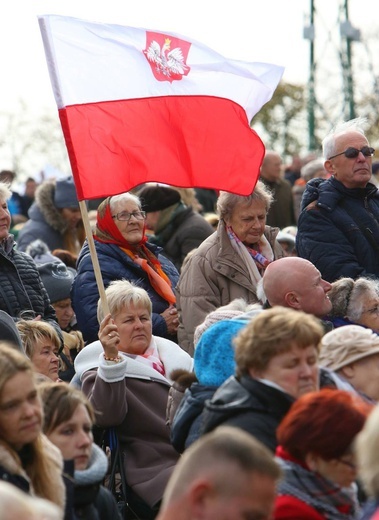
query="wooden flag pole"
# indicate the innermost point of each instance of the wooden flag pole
(94, 258)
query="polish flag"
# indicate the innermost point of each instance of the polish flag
(142, 106)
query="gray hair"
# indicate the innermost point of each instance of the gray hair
(309, 170)
(118, 200)
(366, 446)
(347, 296)
(354, 125)
(226, 201)
(120, 294)
(5, 192)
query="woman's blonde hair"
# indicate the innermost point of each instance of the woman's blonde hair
(120, 294)
(13, 362)
(32, 332)
(273, 332)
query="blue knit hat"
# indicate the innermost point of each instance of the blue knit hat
(214, 354)
(65, 194)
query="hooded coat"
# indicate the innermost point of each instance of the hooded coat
(45, 221)
(338, 229)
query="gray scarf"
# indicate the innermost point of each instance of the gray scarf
(96, 469)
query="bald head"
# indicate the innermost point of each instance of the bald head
(271, 166)
(296, 283)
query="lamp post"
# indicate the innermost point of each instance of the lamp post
(350, 34)
(309, 34)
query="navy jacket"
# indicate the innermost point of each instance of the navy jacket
(115, 265)
(338, 229)
(186, 426)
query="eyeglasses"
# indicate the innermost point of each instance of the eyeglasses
(125, 216)
(373, 310)
(352, 153)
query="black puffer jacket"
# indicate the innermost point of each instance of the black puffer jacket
(22, 293)
(185, 232)
(250, 405)
(338, 229)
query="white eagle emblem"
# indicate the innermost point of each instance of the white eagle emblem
(170, 63)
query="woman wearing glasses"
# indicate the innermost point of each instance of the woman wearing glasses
(316, 454)
(338, 227)
(124, 253)
(355, 302)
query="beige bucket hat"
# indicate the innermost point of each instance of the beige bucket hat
(347, 344)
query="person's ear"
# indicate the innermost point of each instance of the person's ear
(255, 374)
(311, 461)
(329, 167)
(200, 496)
(292, 301)
(348, 371)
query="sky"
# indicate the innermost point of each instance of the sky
(250, 30)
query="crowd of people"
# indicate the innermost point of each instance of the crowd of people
(229, 366)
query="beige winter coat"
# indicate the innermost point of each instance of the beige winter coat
(214, 276)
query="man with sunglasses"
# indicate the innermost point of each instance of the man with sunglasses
(338, 228)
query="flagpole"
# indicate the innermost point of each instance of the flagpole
(94, 258)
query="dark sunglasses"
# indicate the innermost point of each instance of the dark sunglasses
(352, 153)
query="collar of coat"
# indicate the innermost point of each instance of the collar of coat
(328, 193)
(172, 356)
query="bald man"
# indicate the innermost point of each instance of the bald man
(296, 283)
(226, 474)
(281, 213)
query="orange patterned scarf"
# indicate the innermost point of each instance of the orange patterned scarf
(108, 233)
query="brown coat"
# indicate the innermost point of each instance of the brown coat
(214, 276)
(133, 397)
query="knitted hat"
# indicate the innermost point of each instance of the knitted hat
(344, 345)
(40, 252)
(214, 355)
(9, 331)
(57, 279)
(156, 198)
(65, 194)
(214, 317)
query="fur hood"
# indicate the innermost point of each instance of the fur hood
(54, 464)
(44, 207)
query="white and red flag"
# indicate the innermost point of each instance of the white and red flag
(139, 106)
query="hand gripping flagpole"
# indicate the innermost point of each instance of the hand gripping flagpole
(94, 257)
